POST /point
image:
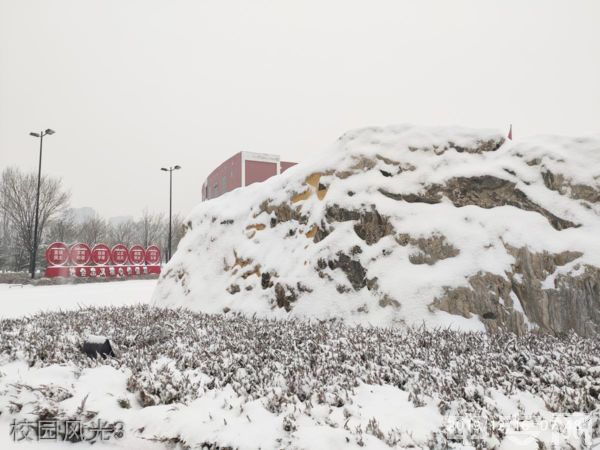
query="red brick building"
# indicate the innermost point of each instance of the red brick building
(242, 169)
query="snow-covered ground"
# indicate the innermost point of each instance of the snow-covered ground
(17, 301)
(183, 379)
(226, 381)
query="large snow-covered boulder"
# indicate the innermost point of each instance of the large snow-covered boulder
(407, 225)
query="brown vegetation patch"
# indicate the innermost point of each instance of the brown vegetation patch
(256, 226)
(321, 193)
(240, 261)
(302, 196)
(254, 271)
(313, 179)
(312, 232)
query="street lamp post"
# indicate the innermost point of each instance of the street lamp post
(170, 170)
(40, 135)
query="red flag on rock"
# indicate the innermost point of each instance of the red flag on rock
(510, 132)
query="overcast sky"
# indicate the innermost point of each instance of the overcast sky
(130, 86)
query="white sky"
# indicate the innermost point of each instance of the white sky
(130, 86)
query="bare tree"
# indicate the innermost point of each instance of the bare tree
(63, 228)
(12, 255)
(150, 228)
(178, 230)
(122, 232)
(5, 241)
(92, 230)
(17, 202)
(177, 233)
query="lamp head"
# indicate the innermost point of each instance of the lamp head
(34, 134)
(165, 169)
(177, 167)
(49, 131)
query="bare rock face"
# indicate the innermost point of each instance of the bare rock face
(355, 272)
(478, 146)
(484, 191)
(571, 303)
(431, 250)
(558, 183)
(487, 296)
(370, 226)
(574, 303)
(406, 225)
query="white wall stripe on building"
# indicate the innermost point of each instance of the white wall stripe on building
(260, 157)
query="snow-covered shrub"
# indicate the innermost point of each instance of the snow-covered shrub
(295, 368)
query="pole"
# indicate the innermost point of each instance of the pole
(37, 211)
(170, 207)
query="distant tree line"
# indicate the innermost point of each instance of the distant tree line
(57, 222)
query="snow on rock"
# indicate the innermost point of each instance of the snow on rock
(407, 225)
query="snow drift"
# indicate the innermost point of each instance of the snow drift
(405, 225)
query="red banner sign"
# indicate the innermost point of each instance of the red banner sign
(119, 254)
(100, 254)
(100, 271)
(153, 255)
(57, 254)
(137, 254)
(116, 262)
(80, 254)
